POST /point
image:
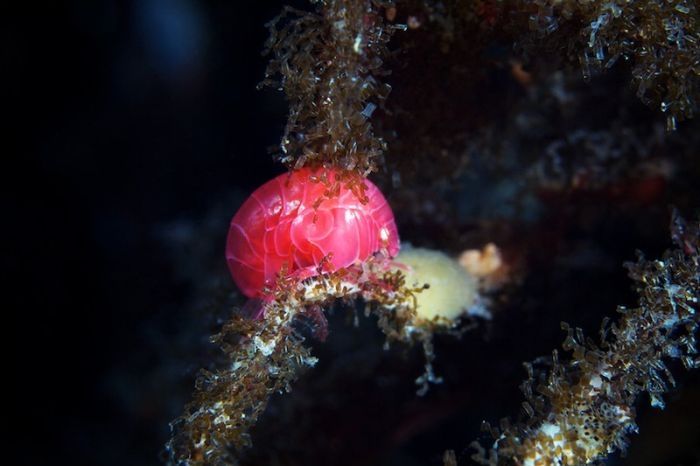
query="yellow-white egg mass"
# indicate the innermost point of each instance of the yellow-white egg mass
(452, 289)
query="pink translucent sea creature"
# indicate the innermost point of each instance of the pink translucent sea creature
(299, 220)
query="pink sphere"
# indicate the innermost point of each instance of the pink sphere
(292, 221)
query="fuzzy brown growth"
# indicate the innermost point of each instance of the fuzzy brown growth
(582, 410)
(660, 39)
(329, 64)
(265, 356)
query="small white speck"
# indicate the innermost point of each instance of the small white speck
(357, 46)
(384, 234)
(549, 429)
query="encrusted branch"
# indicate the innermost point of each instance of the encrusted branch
(582, 410)
(266, 355)
(329, 64)
(660, 39)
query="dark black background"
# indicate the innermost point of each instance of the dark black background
(123, 116)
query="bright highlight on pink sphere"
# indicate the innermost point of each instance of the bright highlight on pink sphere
(279, 225)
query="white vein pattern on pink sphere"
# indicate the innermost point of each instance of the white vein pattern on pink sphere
(278, 226)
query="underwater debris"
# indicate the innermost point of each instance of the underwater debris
(582, 410)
